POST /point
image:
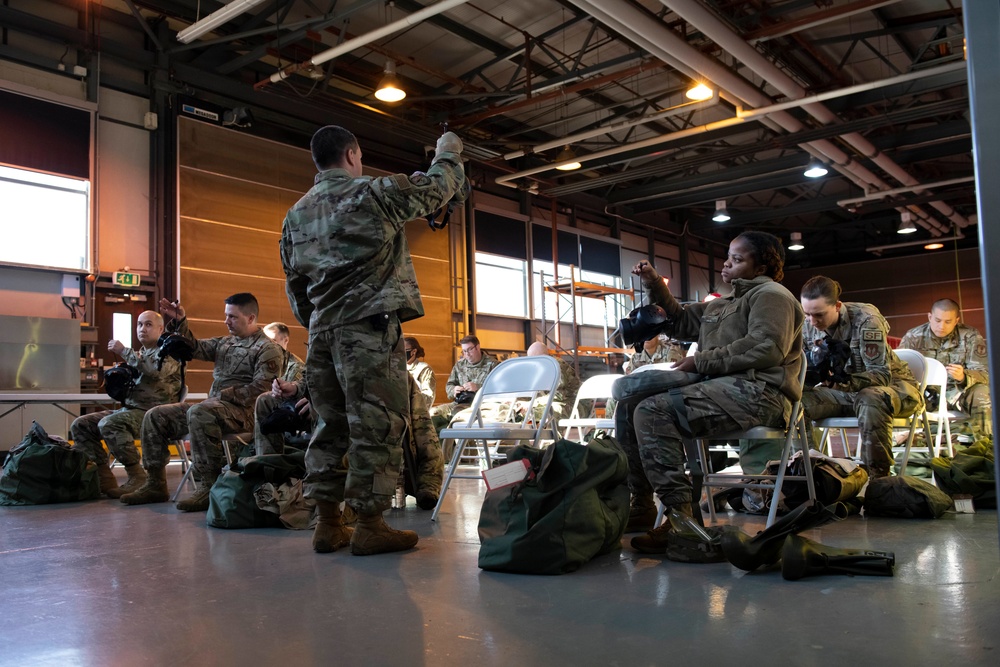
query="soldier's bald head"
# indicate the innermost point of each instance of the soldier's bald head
(148, 327)
(537, 349)
(329, 146)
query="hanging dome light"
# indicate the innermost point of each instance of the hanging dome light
(565, 155)
(816, 169)
(389, 89)
(796, 241)
(721, 214)
(699, 92)
(906, 226)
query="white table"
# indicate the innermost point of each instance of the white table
(19, 400)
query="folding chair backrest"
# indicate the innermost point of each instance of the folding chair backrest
(592, 389)
(534, 378)
(917, 363)
(937, 375)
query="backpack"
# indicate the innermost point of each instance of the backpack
(574, 508)
(970, 472)
(44, 469)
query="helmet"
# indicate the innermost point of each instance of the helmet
(119, 381)
(174, 345)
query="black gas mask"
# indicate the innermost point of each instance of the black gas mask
(119, 381)
(285, 419)
(643, 324)
(176, 346)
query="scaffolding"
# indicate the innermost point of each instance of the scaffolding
(566, 292)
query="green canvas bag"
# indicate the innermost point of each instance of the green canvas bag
(970, 472)
(573, 509)
(43, 469)
(231, 501)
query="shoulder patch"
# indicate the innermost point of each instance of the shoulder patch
(981, 349)
(871, 334)
(272, 366)
(401, 181)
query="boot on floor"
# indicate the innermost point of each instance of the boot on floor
(749, 553)
(107, 479)
(801, 557)
(154, 490)
(373, 536)
(330, 533)
(136, 478)
(198, 501)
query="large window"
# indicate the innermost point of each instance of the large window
(45, 220)
(500, 288)
(589, 311)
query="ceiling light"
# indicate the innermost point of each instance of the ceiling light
(796, 241)
(933, 246)
(909, 244)
(569, 157)
(721, 214)
(215, 19)
(699, 92)
(816, 169)
(389, 89)
(906, 226)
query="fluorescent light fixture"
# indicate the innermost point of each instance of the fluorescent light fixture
(816, 169)
(721, 214)
(215, 19)
(933, 246)
(796, 241)
(389, 89)
(906, 226)
(565, 155)
(699, 92)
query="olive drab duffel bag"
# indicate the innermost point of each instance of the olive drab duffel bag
(573, 508)
(43, 469)
(233, 501)
(970, 472)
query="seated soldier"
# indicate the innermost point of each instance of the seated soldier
(425, 448)
(246, 363)
(962, 350)
(569, 383)
(269, 401)
(880, 385)
(420, 370)
(466, 378)
(656, 350)
(119, 428)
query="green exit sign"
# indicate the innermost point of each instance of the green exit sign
(126, 279)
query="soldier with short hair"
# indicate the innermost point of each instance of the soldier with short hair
(350, 279)
(881, 385)
(293, 373)
(246, 362)
(656, 350)
(419, 369)
(120, 428)
(467, 376)
(569, 382)
(962, 350)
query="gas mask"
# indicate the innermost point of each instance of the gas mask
(119, 381)
(643, 324)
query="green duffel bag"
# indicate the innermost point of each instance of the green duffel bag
(905, 497)
(575, 507)
(43, 469)
(231, 501)
(970, 472)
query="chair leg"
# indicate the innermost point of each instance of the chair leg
(691, 449)
(449, 473)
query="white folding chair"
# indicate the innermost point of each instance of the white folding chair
(594, 389)
(937, 375)
(532, 380)
(697, 455)
(915, 361)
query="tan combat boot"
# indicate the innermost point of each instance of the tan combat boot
(330, 533)
(153, 491)
(373, 536)
(136, 478)
(198, 501)
(107, 479)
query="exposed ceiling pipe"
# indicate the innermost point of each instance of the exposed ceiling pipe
(881, 194)
(816, 19)
(614, 127)
(709, 24)
(358, 42)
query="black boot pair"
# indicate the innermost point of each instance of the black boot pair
(802, 557)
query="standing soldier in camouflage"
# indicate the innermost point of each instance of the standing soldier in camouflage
(750, 352)
(350, 279)
(881, 385)
(120, 428)
(420, 370)
(467, 376)
(569, 383)
(962, 350)
(292, 374)
(246, 362)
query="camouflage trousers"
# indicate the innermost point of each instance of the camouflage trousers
(271, 443)
(424, 444)
(356, 375)
(976, 402)
(118, 428)
(874, 407)
(441, 415)
(714, 406)
(206, 422)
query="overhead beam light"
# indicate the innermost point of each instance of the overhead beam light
(815, 169)
(796, 241)
(908, 244)
(933, 246)
(215, 19)
(906, 226)
(569, 157)
(699, 92)
(721, 214)
(389, 88)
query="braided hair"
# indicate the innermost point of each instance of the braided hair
(767, 251)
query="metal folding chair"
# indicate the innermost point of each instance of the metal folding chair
(593, 389)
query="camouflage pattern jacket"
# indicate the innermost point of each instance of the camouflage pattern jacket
(344, 250)
(466, 371)
(423, 375)
(662, 355)
(294, 368)
(154, 387)
(964, 346)
(873, 363)
(569, 384)
(756, 332)
(244, 367)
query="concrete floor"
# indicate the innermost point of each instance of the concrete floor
(99, 583)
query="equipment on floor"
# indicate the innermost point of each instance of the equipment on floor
(801, 557)
(905, 497)
(45, 469)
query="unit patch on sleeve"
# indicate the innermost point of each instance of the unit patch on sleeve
(871, 334)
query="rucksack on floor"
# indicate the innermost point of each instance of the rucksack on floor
(970, 472)
(43, 469)
(233, 501)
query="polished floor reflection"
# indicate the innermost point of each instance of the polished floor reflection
(99, 583)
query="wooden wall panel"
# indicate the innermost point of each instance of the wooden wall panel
(217, 198)
(249, 251)
(203, 293)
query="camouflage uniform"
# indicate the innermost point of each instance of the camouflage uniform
(749, 347)
(244, 369)
(350, 279)
(664, 354)
(463, 371)
(274, 443)
(423, 374)
(120, 428)
(881, 386)
(424, 443)
(966, 347)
